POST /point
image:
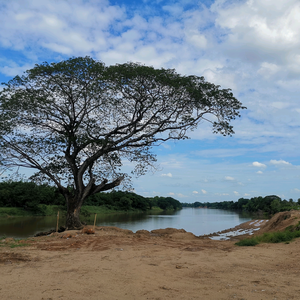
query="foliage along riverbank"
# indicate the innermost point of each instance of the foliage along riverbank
(18, 198)
(269, 205)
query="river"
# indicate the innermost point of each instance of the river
(199, 221)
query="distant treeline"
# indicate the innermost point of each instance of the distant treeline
(269, 204)
(32, 197)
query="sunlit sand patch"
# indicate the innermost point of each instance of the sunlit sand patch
(228, 235)
(258, 222)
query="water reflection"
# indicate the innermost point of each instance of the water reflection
(197, 221)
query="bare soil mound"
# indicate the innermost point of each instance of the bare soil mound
(280, 221)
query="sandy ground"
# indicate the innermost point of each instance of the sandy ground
(162, 264)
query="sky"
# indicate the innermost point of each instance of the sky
(252, 47)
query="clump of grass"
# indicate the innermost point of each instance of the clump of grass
(15, 245)
(248, 242)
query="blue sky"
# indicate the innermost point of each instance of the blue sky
(252, 47)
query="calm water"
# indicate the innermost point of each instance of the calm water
(195, 220)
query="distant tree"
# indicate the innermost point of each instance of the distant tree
(241, 203)
(75, 121)
(275, 206)
(28, 195)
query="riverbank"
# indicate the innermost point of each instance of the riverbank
(115, 263)
(52, 210)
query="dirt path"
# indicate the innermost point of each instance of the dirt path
(165, 264)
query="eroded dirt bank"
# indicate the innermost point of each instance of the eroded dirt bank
(164, 264)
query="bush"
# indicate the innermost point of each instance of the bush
(277, 237)
(248, 242)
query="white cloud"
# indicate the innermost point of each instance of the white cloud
(259, 172)
(181, 195)
(198, 40)
(268, 69)
(171, 194)
(259, 165)
(221, 152)
(280, 105)
(204, 192)
(195, 192)
(236, 193)
(229, 178)
(280, 162)
(12, 68)
(261, 30)
(167, 175)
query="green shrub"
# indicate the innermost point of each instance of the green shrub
(247, 242)
(278, 237)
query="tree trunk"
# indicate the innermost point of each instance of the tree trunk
(73, 213)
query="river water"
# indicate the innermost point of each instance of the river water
(199, 221)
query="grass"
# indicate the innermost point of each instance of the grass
(272, 237)
(51, 210)
(101, 210)
(87, 211)
(15, 245)
(156, 209)
(46, 210)
(13, 211)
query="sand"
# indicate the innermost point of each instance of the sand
(164, 264)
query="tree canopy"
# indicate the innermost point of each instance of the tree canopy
(77, 120)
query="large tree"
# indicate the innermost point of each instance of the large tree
(75, 121)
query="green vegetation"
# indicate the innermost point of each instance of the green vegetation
(17, 244)
(13, 245)
(248, 242)
(286, 236)
(42, 210)
(269, 204)
(27, 198)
